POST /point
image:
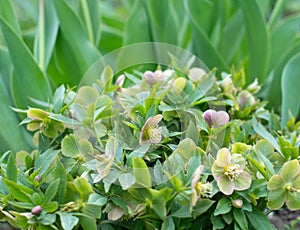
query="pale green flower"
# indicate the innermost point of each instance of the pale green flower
(228, 171)
(285, 187)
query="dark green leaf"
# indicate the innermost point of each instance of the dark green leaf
(223, 207)
(27, 75)
(257, 39)
(11, 169)
(240, 218)
(259, 220)
(45, 159)
(51, 191)
(290, 83)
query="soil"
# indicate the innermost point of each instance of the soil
(282, 219)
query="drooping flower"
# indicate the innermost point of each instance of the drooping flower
(216, 118)
(150, 133)
(228, 171)
(199, 189)
(245, 99)
(153, 78)
(285, 187)
(40, 120)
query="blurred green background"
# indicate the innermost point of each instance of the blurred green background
(46, 43)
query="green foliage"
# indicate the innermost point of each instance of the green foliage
(193, 163)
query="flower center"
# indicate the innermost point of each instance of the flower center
(203, 189)
(155, 135)
(232, 171)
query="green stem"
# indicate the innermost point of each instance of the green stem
(87, 20)
(41, 58)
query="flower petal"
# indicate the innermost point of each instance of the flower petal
(153, 121)
(221, 119)
(225, 185)
(293, 200)
(275, 182)
(217, 171)
(243, 181)
(223, 157)
(276, 198)
(290, 170)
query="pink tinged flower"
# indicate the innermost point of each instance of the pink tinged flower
(228, 171)
(152, 78)
(285, 187)
(216, 118)
(150, 133)
(199, 189)
(37, 210)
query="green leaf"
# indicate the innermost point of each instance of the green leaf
(18, 191)
(158, 204)
(261, 130)
(8, 13)
(257, 39)
(46, 36)
(183, 212)
(240, 218)
(47, 219)
(259, 220)
(168, 224)
(202, 206)
(50, 207)
(60, 172)
(68, 221)
(51, 191)
(76, 36)
(27, 75)
(141, 172)
(97, 199)
(45, 159)
(290, 83)
(126, 180)
(83, 188)
(11, 169)
(69, 147)
(203, 48)
(223, 207)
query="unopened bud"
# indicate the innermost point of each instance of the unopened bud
(37, 210)
(216, 119)
(38, 178)
(178, 85)
(238, 203)
(153, 78)
(245, 99)
(196, 74)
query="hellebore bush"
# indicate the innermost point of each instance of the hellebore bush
(171, 150)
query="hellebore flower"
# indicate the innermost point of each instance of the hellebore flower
(150, 133)
(153, 78)
(36, 210)
(41, 120)
(245, 99)
(216, 119)
(285, 187)
(196, 74)
(228, 171)
(199, 189)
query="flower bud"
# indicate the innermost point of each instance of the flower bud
(238, 203)
(227, 85)
(153, 78)
(37, 210)
(216, 119)
(196, 74)
(120, 80)
(178, 85)
(254, 87)
(245, 99)
(38, 178)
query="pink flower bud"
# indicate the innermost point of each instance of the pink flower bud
(38, 178)
(153, 78)
(37, 210)
(216, 119)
